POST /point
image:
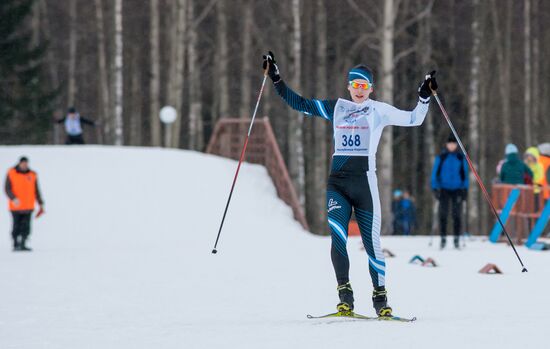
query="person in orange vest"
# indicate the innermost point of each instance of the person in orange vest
(544, 159)
(23, 191)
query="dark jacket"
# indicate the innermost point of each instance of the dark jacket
(514, 171)
(450, 171)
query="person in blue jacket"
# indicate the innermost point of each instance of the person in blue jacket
(450, 185)
(407, 213)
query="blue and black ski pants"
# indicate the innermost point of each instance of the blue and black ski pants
(352, 186)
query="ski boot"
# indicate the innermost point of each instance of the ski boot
(380, 302)
(457, 242)
(346, 298)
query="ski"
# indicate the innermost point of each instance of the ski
(353, 315)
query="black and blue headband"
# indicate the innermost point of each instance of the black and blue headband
(358, 73)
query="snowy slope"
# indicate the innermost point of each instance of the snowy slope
(122, 260)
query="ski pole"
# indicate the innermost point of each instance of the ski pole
(478, 179)
(240, 161)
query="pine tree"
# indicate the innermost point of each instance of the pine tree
(25, 104)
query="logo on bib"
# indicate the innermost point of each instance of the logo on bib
(352, 115)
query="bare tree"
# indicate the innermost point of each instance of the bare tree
(535, 108)
(473, 115)
(317, 205)
(385, 90)
(425, 58)
(103, 86)
(73, 39)
(527, 71)
(246, 71)
(136, 122)
(195, 135)
(178, 47)
(154, 81)
(119, 125)
(222, 69)
(52, 63)
(504, 50)
(295, 142)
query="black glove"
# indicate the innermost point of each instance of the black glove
(273, 71)
(437, 193)
(429, 84)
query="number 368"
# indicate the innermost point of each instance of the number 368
(350, 141)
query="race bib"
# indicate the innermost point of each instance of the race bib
(352, 131)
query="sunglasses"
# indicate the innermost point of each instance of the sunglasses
(356, 85)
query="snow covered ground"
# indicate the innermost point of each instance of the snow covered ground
(122, 260)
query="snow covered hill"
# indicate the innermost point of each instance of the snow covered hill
(122, 260)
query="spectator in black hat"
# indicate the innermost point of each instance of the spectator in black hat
(73, 126)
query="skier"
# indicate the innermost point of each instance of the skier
(22, 189)
(73, 126)
(357, 127)
(450, 183)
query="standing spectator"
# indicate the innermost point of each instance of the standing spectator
(407, 213)
(450, 184)
(22, 189)
(531, 158)
(514, 171)
(395, 207)
(544, 159)
(73, 126)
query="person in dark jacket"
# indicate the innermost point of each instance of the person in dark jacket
(450, 184)
(514, 171)
(73, 126)
(22, 189)
(405, 214)
(396, 211)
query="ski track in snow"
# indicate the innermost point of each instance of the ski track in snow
(122, 260)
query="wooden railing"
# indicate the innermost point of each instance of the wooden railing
(227, 141)
(526, 211)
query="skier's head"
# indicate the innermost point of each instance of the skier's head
(451, 144)
(71, 111)
(360, 83)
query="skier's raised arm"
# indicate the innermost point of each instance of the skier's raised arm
(316, 107)
(397, 117)
(86, 121)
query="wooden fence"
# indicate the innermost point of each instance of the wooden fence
(227, 141)
(526, 211)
